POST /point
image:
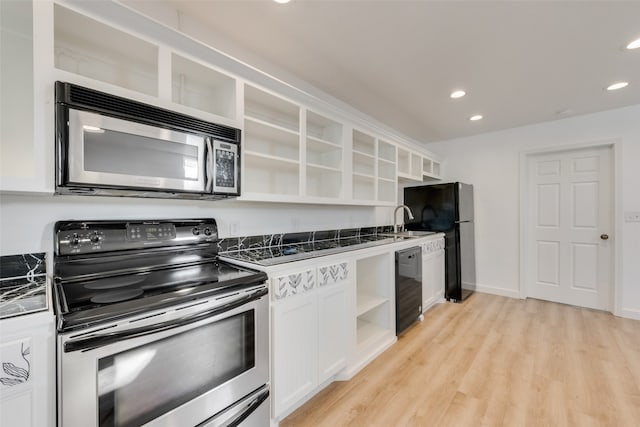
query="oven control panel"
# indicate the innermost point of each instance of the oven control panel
(80, 237)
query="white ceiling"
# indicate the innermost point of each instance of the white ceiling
(520, 62)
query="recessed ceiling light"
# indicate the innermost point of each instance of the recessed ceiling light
(634, 44)
(618, 85)
(282, 1)
(475, 118)
(457, 94)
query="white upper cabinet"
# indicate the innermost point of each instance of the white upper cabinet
(197, 86)
(272, 154)
(295, 147)
(324, 157)
(89, 48)
(26, 114)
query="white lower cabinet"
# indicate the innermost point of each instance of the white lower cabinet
(310, 332)
(333, 325)
(433, 278)
(27, 377)
(295, 350)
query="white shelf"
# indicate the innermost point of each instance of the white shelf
(386, 151)
(364, 176)
(363, 154)
(324, 154)
(260, 137)
(364, 164)
(198, 86)
(270, 158)
(323, 129)
(323, 167)
(393, 181)
(270, 175)
(391, 162)
(261, 121)
(367, 302)
(387, 171)
(89, 48)
(271, 109)
(368, 333)
(320, 143)
(363, 143)
(324, 182)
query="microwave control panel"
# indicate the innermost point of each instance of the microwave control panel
(225, 168)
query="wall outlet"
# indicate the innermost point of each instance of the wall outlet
(632, 217)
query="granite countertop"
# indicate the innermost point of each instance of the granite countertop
(279, 249)
(23, 284)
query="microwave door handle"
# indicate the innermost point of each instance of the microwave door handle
(101, 340)
(209, 169)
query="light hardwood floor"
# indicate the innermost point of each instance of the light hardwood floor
(494, 361)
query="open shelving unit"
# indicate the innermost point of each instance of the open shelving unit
(430, 168)
(89, 48)
(387, 172)
(290, 150)
(363, 166)
(271, 144)
(324, 156)
(373, 301)
(198, 86)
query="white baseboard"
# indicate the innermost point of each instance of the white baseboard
(511, 293)
(629, 313)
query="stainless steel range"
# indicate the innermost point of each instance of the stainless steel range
(153, 329)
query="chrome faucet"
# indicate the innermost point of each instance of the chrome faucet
(395, 214)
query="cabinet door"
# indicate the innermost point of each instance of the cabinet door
(438, 275)
(27, 371)
(333, 332)
(295, 350)
(427, 280)
(432, 278)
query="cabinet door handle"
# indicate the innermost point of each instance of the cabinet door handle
(604, 236)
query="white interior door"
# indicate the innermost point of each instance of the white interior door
(569, 237)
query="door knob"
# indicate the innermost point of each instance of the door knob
(604, 236)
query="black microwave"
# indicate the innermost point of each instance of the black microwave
(112, 146)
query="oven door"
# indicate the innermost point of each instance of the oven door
(168, 368)
(109, 152)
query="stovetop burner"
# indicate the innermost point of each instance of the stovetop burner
(122, 275)
(116, 296)
(118, 282)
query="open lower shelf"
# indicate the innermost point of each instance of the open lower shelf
(369, 332)
(270, 175)
(367, 302)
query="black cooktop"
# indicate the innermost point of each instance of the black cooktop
(84, 302)
(108, 270)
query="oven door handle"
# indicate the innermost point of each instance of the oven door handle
(237, 415)
(101, 340)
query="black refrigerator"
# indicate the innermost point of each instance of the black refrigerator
(448, 208)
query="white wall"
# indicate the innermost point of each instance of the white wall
(491, 163)
(26, 222)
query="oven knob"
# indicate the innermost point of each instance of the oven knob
(207, 231)
(74, 240)
(95, 238)
(195, 231)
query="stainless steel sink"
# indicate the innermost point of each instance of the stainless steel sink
(411, 233)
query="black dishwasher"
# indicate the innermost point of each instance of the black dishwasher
(408, 287)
